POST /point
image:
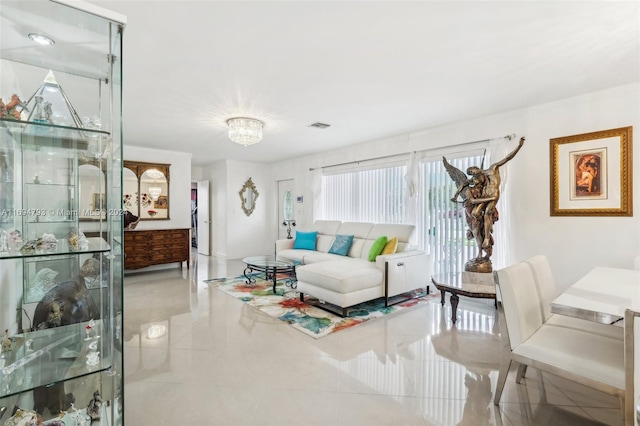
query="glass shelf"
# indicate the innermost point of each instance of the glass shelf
(23, 369)
(96, 245)
(34, 221)
(28, 133)
(49, 184)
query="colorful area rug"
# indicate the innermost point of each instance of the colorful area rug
(313, 321)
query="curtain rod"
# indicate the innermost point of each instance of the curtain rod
(511, 136)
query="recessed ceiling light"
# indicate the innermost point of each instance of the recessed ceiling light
(41, 39)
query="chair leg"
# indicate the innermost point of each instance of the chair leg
(541, 388)
(502, 378)
(522, 370)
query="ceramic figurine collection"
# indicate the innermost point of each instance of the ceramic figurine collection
(52, 354)
(15, 109)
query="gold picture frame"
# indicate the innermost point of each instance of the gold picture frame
(591, 174)
(161, 203)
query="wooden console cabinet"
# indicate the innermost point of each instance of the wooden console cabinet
(156, 246)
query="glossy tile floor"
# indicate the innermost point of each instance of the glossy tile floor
(222, 363)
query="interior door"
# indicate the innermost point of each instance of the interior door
(204, 221)
(283, 187)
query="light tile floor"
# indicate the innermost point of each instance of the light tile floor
(222, 363)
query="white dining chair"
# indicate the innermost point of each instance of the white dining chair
(632, 376)
(586, 358)
(547, 291)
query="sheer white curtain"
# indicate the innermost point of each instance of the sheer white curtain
(316, 190)
(442, 224)
(412, 179)
(498, 149)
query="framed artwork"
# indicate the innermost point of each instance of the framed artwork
(161, 203)
(99, 201)
(591, 174)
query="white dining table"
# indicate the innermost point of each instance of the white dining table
(602, 295)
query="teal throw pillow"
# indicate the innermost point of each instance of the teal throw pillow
(305, 240)
(377, 247)
(341, 244)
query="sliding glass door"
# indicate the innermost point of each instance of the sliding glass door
(379, 195)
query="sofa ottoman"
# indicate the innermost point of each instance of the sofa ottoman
(341, 283)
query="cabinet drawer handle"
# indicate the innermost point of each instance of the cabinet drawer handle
(400, 263)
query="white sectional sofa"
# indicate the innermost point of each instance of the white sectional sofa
(345, 281)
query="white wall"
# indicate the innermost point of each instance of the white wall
(248, 235)
(179, 185)
(235, 235)
(197, 173)
(573, 244)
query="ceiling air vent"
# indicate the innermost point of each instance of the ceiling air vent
(320, 125)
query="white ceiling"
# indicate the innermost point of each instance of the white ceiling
(370, 69)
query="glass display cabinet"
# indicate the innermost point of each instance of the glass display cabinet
(61, 221)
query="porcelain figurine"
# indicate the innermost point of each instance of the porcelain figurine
(3, 109)
(6, 342)
(47, 242)
(15, 107)
(93, 358)
(54, 319)
(93, 409)
(42, 111)
(4, 241)
(45, 280)
(14, 241)
(79, 417)
(74, 240)
(23, 418)
(29, 247)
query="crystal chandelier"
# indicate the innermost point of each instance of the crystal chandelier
(245, 131)
(154, 192)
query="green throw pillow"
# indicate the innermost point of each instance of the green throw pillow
(377, 247)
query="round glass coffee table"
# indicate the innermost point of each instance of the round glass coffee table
(271, 268)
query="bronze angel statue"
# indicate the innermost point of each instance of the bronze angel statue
(480, 192)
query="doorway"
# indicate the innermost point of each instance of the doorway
(200, 222)
(194, 215)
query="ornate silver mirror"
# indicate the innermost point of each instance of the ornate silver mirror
(248, 196)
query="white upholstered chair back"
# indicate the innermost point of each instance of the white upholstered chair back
(544, 283)
(520, 302)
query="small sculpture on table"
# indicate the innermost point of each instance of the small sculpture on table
(480, 193)
(288, 223)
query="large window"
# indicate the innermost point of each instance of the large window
(379, 196)
(365, 196)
